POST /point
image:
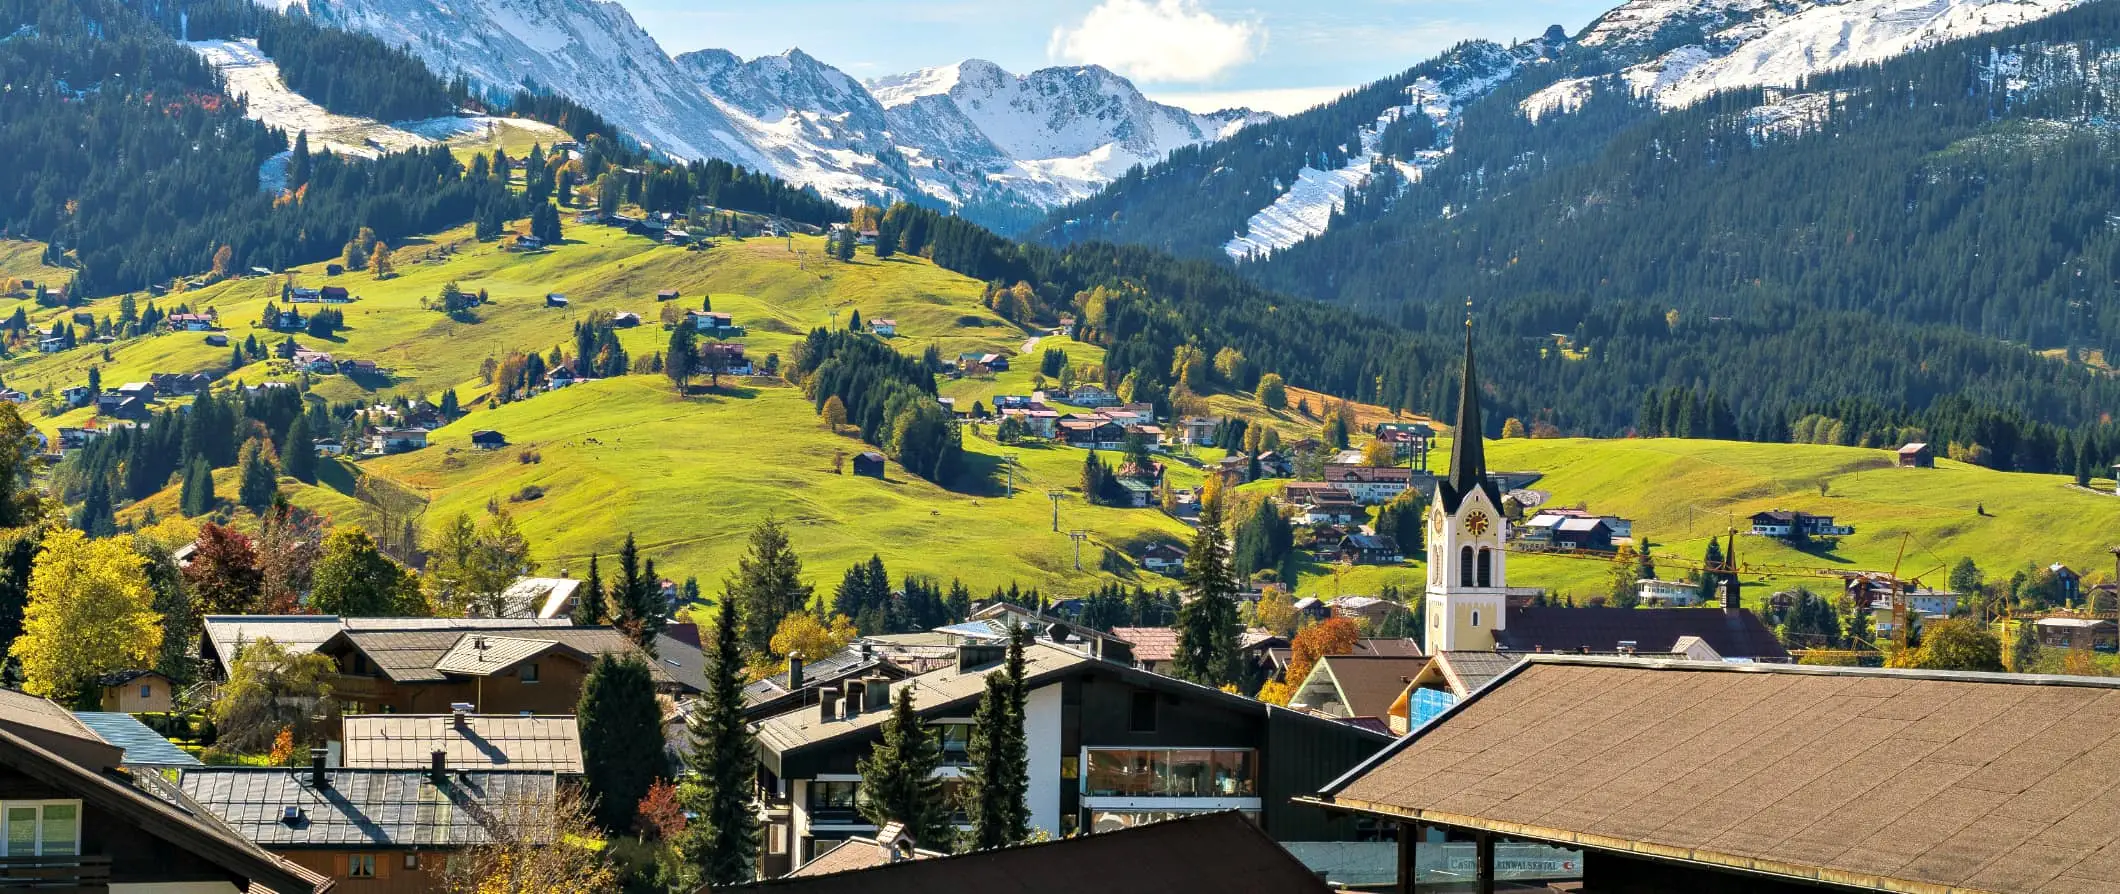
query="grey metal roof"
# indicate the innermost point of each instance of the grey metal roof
(362, 808)
(476, 742)
(143, 747)
(849, 660)
(684, 662)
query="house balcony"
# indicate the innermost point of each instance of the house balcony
(89, 874)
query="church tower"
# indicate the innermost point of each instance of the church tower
(1467, 568)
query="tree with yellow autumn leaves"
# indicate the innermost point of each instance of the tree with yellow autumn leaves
(90, 613)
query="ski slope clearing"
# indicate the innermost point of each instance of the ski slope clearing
(254, 78)
(1752, 43)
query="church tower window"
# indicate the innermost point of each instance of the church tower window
(1465, 567)
(1486, 575)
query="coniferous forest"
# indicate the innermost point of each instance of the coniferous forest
(1892, 258)
(129, 159)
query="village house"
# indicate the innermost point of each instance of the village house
(551, 744)
(2075, 633)
(384, 440)
(725, 357)
(136, 691)
(301, 295)
(667, 295)
(1369, 549)
(1916, 455)
(359, 368)
(488, 439)
(335, 295)
(1359, 688)
(1110, 747)
(714, 324)
(1193, 431)
(180, 384)
(1528, 763)
(1091, 433)
(555, 299)
(1041, 422)
(1161, 558)
(217, 339)
(562, 377)
(498, 670)
(191, 322)
(81, 818)
(1371, 485)
(329, 447)
(1092, 395)
(1408, 440)
(385, 830)
(1317, 503)
(1786, 524)
(76, 396)
(1667, 593)
(884, 327)
(869, 464)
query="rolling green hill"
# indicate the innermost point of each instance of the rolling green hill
(691, 475)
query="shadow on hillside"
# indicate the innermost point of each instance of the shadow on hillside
(984, 475)
(337, 475)
(726, 390)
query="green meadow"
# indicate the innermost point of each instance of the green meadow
(691, 475)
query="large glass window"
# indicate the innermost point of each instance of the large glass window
(1171, 773)
(835, 801)
(41, 828)
(956, 740)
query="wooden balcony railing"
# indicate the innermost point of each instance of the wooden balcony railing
(85, 874)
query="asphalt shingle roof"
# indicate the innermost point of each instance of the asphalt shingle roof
(1369, 684)
(414, 656)
(1869, 778)
(302, 634)
(361, 808)
(481, 742)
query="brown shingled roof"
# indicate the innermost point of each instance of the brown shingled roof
(1219, 852)
(1867, 778)
(1369, 684)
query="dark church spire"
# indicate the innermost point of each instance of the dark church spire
(1468, 451)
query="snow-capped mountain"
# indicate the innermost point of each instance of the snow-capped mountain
(1728, 44)
(968, 135)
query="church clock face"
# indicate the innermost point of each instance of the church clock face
(1477, 523)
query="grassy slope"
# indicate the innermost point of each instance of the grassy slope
(691, 475)
(1680, 492)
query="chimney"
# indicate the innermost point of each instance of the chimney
(867, 650)
(852, 704)
(878, 690)
(459, 714)
(828, 704)
(438, 765)
(317, 778)
(794, 671)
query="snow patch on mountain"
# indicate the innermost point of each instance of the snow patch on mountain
(1306, 207)
(1755, 43)
(254, 78)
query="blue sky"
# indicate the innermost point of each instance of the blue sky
(1278, 55)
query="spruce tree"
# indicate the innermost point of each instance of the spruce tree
(997, 787)
(197, 498)
(2024, 652)
(768, 583)
(1207, 624)
(622, 742)
(1711, 563)
(723, 836)
(589, 600)
(899, 777)
(259, 481)
(300, 453)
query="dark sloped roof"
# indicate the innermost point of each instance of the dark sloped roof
(174, 822)
(362, 808)
(411, 656)
(1220, 852)
(848, 661)
(1907, 780)
(1737, 634)
(682, 659)
(1369, 684)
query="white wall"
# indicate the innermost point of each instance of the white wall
(1041, 733)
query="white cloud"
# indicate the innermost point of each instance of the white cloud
(1167, 41)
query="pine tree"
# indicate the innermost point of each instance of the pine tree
(197, 498)
(622, 742)
(723, 836)
(259, 481)
(589, 600)
(768, 584)
(1207, 624)
(899, 777)
(1710, 563)
(997, 785)
(300, 453)
(636, 597)
(680, 358)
